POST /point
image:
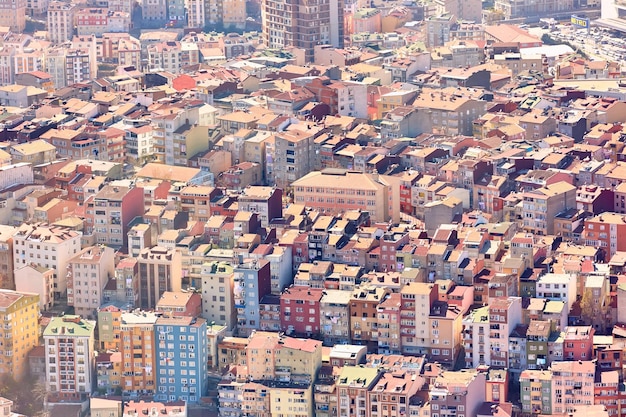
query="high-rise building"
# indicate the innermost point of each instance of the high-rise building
(19, 315)
(60, 21)
(70, 363)
(181, 366)
(303, 24)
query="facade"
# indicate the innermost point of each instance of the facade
(160, 270)
(39, 280)
(252, 283)
(335, 191)
(335, 316)
(114, 208)
(19, 313)
(70, 363)
(303, 26)
(456, 391)
(47, 246)
(88, 273)
(137, 347)
(60, 22)
(266, 202)
(181, 352)
(300, 310)
(544, 204)
(218, 303)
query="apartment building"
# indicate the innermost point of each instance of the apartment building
(300, 310)
(333, 191)
(285, 25)
(455, 392)
(536, 391)
(572, 385)
(70, 360)
(218, 303)
(273, 357)
(293, 156)
(109, 319)
(181, 352)
(47, 246)
(452, 113)
(89, 271)
(557, 287)
(417, 300)
(180, 131)
(137, 346)
(33, 278)
(115, 207)
(542, 205)
(486, 332)
(353, 386)
(364, 314)
(60, 22)
(388, 317)
(266, 202)
(252, 283)
(335, 316)
(160, 270)
(603, 231)
(19, 321)
(127, 282)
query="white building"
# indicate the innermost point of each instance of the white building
(486, 332)
(280, 261)
(60, 21)
(47, 246)
(69, 348)
(557, 287)
(16, 174)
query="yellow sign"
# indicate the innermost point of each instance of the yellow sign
(583, 23)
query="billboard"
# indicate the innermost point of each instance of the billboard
(580, 22)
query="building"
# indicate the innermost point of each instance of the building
(143, 408)
(557, 287)
(534, 385)
(252, 282)
(137, 347)
(454, 391)
(266, 202)
(353, 385)
(181, 352)
(335, 316)
(466, 10)
(160, 270)
(174, 304)
(486, 332)
(293, 156)
(19, 319)
(603, 232)
(88, 273)
(580, 376)
(39, 280)
(542, 205)
(47, 246)
(60, 22)
(303, 26)
(300, 311)
(333, 191)
(417, 299)
(70, 360)
(13, 15)
(115, 207)
(512, 9)
(218, 303)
